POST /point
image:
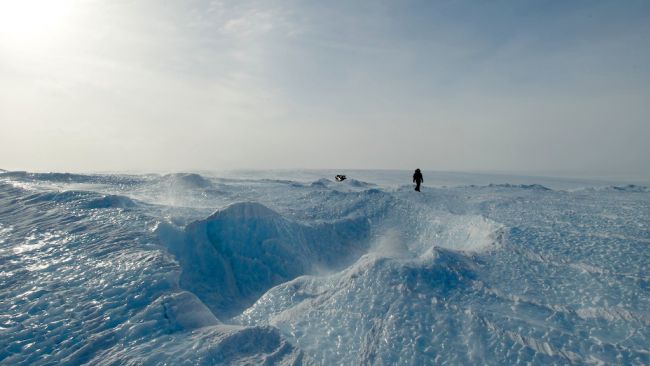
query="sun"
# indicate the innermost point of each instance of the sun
(32, 21)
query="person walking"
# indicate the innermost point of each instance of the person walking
(417, 178)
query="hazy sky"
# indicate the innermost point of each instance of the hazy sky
(523, 86)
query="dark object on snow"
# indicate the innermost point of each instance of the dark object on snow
(417, 178)
(340, 178)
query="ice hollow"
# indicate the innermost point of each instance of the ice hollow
(236, 254)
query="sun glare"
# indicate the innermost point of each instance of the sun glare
(32, 21)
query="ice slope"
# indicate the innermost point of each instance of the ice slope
(84, 281)
(261, 268)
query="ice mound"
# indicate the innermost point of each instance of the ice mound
(629, 188)
(111, 201)
(214, 345)
(186, 180)
(51, 177)
(379, 311)
(59, 197)
(280, 181)
(537, 187)
(357, 183)
(82, 199)
(322, 183)
(199, 338)
(180, 190)
(346, 185)
(236, 254)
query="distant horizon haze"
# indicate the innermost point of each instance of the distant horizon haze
(524, 87)
(431, 175)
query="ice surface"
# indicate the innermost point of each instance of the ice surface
(85, 283)
(268, 268)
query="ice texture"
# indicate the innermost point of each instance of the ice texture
(233, 268)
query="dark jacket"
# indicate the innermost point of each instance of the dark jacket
(417, 177)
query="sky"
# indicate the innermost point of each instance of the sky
(532, 87)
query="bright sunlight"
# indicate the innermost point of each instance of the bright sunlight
(32, 22)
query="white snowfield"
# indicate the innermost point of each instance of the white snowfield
(278, 268)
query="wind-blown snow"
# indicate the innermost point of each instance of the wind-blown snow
(261, 269)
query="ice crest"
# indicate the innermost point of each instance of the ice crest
(245, 211)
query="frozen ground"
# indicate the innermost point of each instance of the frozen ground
(271, 268)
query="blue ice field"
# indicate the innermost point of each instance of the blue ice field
(293, 268)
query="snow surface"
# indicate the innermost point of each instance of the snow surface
(271, 268)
